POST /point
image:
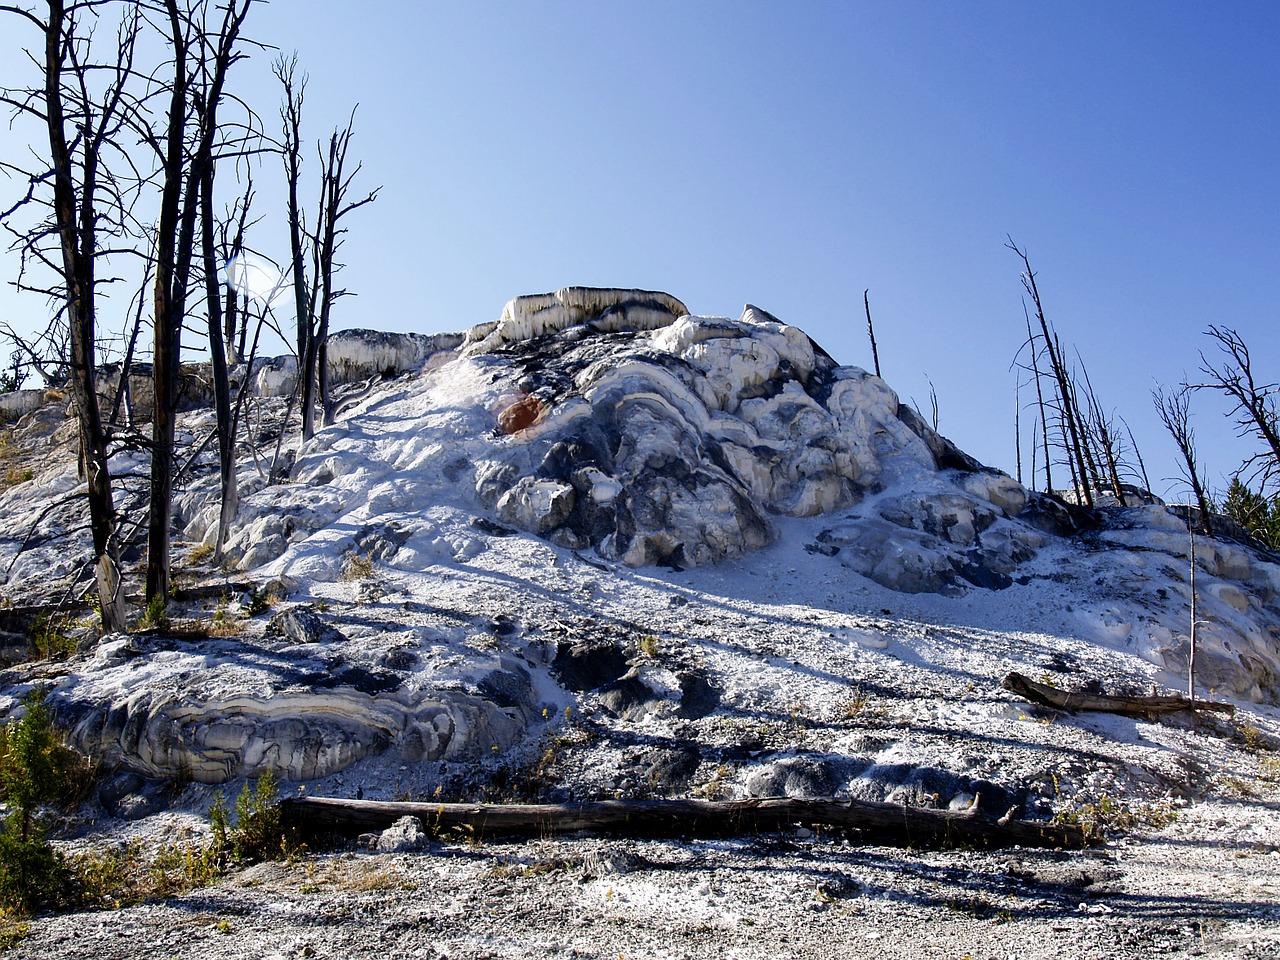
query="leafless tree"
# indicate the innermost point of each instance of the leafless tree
(1068, 409)
(201, 60)
(314, 296)
(871, 331)
(1174, 410)
(83, 105)
(1103, 436)
(1255, 407)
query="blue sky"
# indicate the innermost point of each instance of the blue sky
(791, 155)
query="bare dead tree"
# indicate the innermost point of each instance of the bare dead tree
(1174, 410)
(1101, 426)
(231, 239)
(295, 89)
(1137, 453)
(1044, 421)
(1017, 430)
(202, 58)
(1071, 421)
(83, 105)
(1255, 406)
(871, 331)
(335, 204)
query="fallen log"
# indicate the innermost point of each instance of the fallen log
(883, 822)
(1130, 706)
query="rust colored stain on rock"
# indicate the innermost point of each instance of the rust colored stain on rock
(521, 415)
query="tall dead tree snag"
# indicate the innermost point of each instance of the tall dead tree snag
(1174, 410)
(295, 90)
(314, 296)
(1068, 410)
(87, 202)
(335, 204)
(871, 331)
(201, 61)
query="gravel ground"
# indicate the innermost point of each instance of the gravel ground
(1208, 885)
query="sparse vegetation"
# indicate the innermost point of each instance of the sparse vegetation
(538, 778)
(357, 566)
(200, 553)
(714, 788)
(155, 615)
(49, 638)
(127, 875)
(1106, 815)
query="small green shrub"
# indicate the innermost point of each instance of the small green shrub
(1107, 815)
(49, 640)
(35, 770)
(258, 832)
(155, 615)
(32, 874)
(13, 933)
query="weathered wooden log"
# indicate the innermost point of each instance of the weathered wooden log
(882, 822)
(1129, 706)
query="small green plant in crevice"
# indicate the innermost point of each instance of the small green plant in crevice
(13, 933)
(200, 553)
(224, 624)
(714, 788)
(155, 616)
(1253, 739)
(537, 778)
(49, 640)
(261, 599)
(648, 646)
(258, 832)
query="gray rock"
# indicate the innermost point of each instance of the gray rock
(303, 625)
(804, 776)
(130, 796)
(404, 836)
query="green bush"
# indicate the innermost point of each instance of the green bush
(35, 770)
(258, 832)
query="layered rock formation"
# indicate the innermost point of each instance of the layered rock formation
(675, 440)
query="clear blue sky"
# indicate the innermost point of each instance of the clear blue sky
(791, 155)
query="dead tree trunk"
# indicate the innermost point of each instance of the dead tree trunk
(218, 363)
(1129, 706)
(882, 822)
(1255, 408)
(871, 331)
(1061, 377)
(1044, 420)
(333, 207)
(1175, 413)
(183, 175)
(77, 169)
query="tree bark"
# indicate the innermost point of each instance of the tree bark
(883, 822)
(183, 178)
(1129, 706)
(218, 363)
(75, 218)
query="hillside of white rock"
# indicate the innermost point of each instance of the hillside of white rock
(696, 550)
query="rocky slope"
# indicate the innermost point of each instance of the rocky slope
(600, 548)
